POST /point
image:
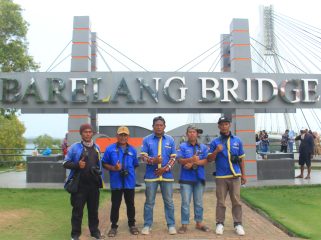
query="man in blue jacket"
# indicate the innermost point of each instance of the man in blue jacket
(84, 157)
(121, 160)
(159, 153)
(227, 151)
(192, 156)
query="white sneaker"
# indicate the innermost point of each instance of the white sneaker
(146, 230)
(219, 229)
(239, 230)
(172, 230)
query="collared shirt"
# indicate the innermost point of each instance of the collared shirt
(154, 146)
(187, 150)
(232, 146)
(128, 160)
(74, 154)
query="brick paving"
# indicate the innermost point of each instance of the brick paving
(256, 226)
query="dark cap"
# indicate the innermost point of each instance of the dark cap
(192, 127)
(84, 127)
(223, 119)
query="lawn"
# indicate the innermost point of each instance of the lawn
(297, 208)
(36, 213)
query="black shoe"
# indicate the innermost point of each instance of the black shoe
(97, 236)
(75, 238)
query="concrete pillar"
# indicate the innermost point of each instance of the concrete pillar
(76, 117)
(240, 46)
(225, 53)
(93, 52)
(245, 129)
(80, 62)
(244, 119)
(81, 41)
(93, 112)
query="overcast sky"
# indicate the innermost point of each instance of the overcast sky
(159, 35)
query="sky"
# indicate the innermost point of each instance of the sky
(159, 35)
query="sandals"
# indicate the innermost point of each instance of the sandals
(133, 230)
(182, 229)
(112, 232)
(203, 228)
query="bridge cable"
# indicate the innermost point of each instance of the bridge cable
(262, 57)
(209, 70)
(104, 60)
(122, 54)
(279, 56)
(58, 56)
(58, 63)
(202, 54)
(115, 59)
(203, 59)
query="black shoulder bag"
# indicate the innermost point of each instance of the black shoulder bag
(72, 184)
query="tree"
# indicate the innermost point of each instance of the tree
(11, 136)
(44, 141)
(13, 44)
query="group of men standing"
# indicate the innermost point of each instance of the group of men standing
(159, 153)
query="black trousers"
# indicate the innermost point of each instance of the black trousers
(89, 195)
(284, 149)
(116, 198)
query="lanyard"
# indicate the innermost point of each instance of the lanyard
(124, 156)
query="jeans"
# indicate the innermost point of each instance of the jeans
(291, 147)
(167, 194)
(187, 190)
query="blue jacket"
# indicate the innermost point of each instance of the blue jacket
(74, 154)
(112, 155)
(231, 146)
(154, 146)
(186, 150)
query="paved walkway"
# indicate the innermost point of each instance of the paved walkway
(256, 226)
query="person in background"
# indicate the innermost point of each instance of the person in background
(265, 143)
(317, 147)
(159, 153)
(64, 145)
(284, 141)
(228, 154)
(120, 159)
(291, 140)
(192, 157)
(84, 156)
(306, 150)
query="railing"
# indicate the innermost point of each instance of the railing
(18, 156)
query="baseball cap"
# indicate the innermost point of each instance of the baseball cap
(123, 129)
(223, 119)
(198, 130)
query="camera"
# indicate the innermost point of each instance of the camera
(95, 170)
(195, 166)
(124, 172)
(235, 159)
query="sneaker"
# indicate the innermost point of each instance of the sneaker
(219, 229)
(75, 238)
(239, 230)
(146, 230)
(172, 230)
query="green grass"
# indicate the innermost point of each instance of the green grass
(37, 213)
(296, 208)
